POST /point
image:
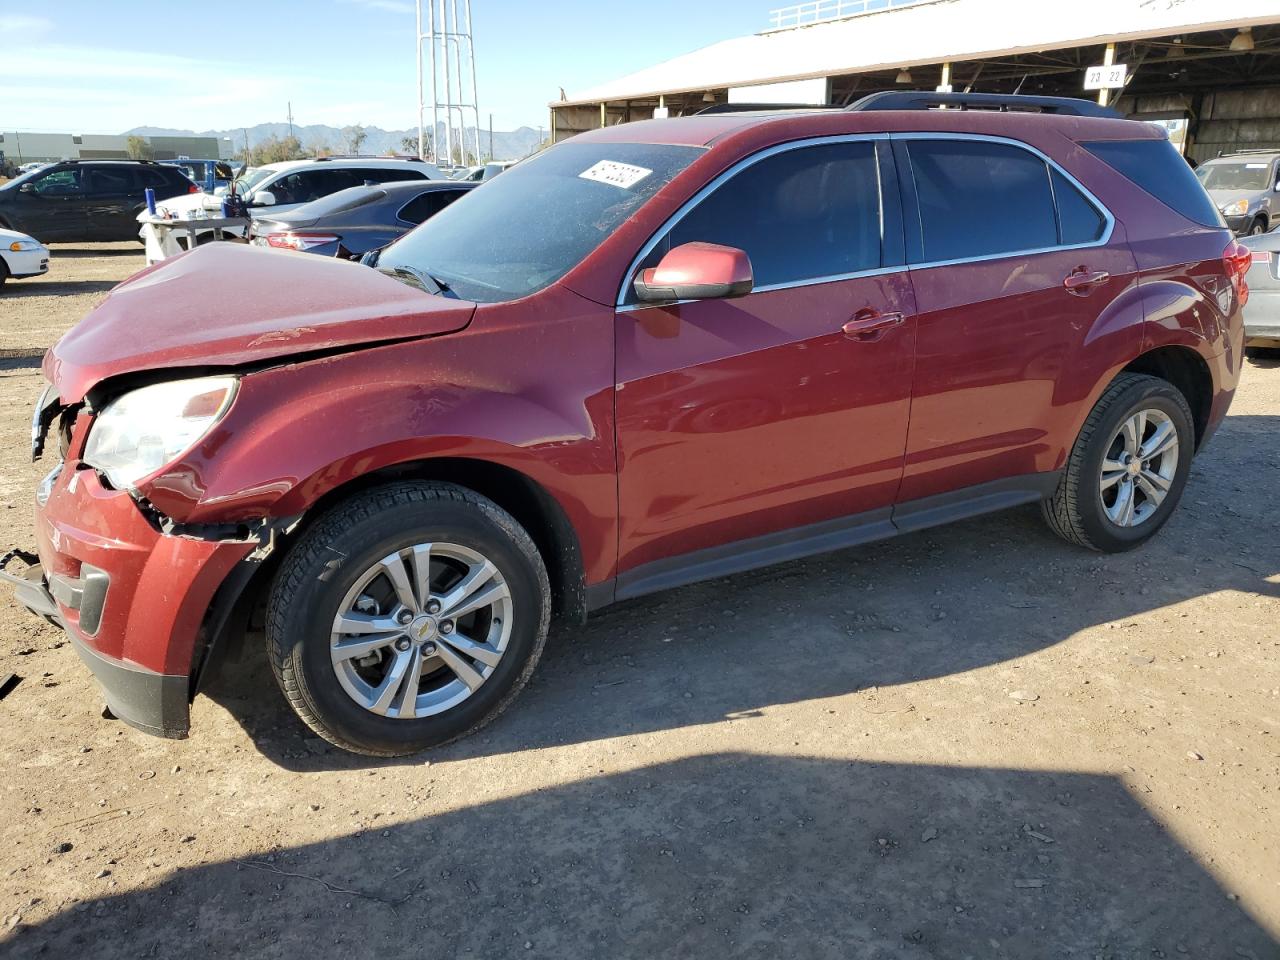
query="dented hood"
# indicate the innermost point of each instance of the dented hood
(227, 304)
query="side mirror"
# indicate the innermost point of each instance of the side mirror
(696, 271)
(27, 188)
(264, 198)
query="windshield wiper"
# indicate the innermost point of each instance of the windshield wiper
(416, 278)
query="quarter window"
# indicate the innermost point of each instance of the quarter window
(802, 214)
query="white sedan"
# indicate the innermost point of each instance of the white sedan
(21, 256)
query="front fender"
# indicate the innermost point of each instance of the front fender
(535, 401)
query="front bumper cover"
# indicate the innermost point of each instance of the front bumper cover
(155, 703)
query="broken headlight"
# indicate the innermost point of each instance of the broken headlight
(146, 429)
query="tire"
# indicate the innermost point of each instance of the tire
(1079, 511)
(329, 564)
(4, 271)
(1257, 228)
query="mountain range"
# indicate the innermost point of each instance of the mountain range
(507, 144)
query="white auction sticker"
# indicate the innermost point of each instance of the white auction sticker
(622, 175)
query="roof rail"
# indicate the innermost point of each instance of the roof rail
(105, 160)
(751, 107)
(927, 100)
(362, 156)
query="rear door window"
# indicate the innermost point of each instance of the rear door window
(427, 205)
(109, 181)
(981, 199)
(805, 214)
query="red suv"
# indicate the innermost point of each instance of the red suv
(659, 352)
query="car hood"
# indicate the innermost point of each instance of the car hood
(227, 304)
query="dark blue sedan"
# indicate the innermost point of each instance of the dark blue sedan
(352, 222)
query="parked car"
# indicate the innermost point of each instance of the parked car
(1244, 186)
(655, 353)
(32, 165)
(21, 256)
(85, 200)
(354, 221)
(285, 186)
(1262, 319)
(198, 171)
(484, 172)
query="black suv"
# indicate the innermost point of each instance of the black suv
(78, 200)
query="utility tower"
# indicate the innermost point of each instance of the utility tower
(449, 56)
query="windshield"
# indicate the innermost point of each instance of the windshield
(527, 228)
(251, 178)
(1235, 176)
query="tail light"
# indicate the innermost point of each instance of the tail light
(1262, 256)
(300, 241)
(193, 189)
(1238, 259)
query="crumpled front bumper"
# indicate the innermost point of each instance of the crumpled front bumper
(131, 598)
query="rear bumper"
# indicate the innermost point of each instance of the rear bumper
(1262, 314)
(131, 598)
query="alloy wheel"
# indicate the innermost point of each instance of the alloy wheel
(421, 630)
(1139, 468)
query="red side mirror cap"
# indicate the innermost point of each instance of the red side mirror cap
(696, 271)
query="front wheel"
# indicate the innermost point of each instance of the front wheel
(406, 617)
(1128, 467)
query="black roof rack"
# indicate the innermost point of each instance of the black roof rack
(105, 160)
(754, 107)
(927, 100)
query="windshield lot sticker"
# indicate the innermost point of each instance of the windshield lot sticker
(617, 174)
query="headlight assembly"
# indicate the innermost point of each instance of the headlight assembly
(146, 429)
(1236, 208)
(20, 245)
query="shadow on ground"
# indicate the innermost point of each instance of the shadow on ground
(926, 605)
(115, 249)
(714, 856)
(21, 359)
(55, 288)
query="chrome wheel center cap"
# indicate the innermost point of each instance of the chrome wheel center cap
(422, 628)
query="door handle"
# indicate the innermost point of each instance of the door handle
(1081, 281)
(869, 325)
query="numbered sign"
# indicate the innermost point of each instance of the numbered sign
(1106, 78)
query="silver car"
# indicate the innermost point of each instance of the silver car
(1245, 186)
(1262, 314)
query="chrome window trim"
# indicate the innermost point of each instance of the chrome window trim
(1053, 164)
(622, 306)
(684, 209)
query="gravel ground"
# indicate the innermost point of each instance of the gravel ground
(971, 742)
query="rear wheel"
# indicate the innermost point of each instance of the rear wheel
(406, 617)
(1128, 467)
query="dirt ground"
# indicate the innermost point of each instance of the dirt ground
(971, 742)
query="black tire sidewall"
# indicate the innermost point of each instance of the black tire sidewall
(1098, 527)
(330, 574)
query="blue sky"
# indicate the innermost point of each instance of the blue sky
(102, 66)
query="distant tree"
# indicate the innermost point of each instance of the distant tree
(319, 148)
(410, 144)
(275, 149)
(354, 135)
(138, 148)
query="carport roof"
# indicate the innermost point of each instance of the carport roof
(944, 30)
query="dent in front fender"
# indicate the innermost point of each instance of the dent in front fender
(528, 386)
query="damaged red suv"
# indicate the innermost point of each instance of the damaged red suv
(657, 353)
